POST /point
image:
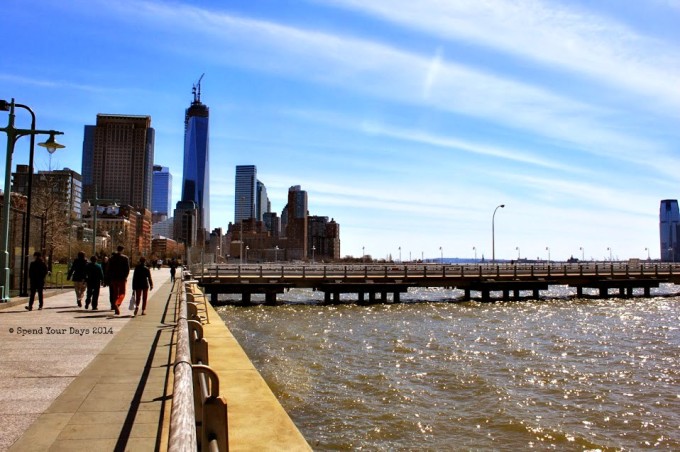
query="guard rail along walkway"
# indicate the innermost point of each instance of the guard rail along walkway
(198, 418)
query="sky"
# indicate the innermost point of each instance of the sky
(408, 122)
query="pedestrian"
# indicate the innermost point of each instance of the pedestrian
(77, 274)
(37, 272)
(105, 269)
(173, 268)
(141, 284)
(117, 273)
(95, 279)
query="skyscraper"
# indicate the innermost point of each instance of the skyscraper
(118, 159)
(296, 226)
(669, 225)
(245, 193)
(161, 204)
(262, 205)
(196, 178)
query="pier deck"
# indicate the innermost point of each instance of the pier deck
(486, 279)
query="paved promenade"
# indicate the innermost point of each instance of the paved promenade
(76, 379)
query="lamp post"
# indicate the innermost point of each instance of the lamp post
(441, 251)
(276, 253)
(493, 233)
(247, 248)
(13, 134)
(400, 255)
(474, 248)
(647, 249)
(518, 253)
(313, 250)
(547, 248)
(583, 253)
(363, 253)
(610, 254)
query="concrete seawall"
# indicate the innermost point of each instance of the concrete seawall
(257, 421)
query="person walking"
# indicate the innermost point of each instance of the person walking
(173, 269)
(37, 272)
(95, 279)
(77, 274)
(141, 284)
(117, 273)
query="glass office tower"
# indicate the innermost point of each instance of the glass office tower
(196, 180)
(161, 198)
(245, 192)
(669, 223)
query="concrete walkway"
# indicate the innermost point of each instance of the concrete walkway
(76, 379)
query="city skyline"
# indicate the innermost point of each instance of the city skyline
(407, 122)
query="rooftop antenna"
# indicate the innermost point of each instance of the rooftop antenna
(196, 90)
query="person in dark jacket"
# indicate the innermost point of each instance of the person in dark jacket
(141, 283)
(95, 278)
(37, 272)
(77, 274)
(117, 272)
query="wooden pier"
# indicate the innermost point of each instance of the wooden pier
(485, 282)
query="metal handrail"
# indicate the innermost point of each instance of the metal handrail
(182, 415)
(198, 419)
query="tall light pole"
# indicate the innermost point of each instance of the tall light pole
(547, 248)
(276, 253)
(493, 233)
(647, 249)
(610, 254)
(13, 134)
(474, 248)
(441, 251)
(518, 255)
(583, 253)
(400, 255)
(313, 250)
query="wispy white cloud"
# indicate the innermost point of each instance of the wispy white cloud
(55, 84)
(432, 73)
(547, 32)
(389, 73)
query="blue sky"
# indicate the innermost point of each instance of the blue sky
(407, 122)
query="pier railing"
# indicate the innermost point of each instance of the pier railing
(434, 270)
(198, 418)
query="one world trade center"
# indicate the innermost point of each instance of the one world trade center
(195, 179)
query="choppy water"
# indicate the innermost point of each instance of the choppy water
(553, 374)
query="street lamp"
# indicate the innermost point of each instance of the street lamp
(247, 248)
(610, 254)
(518, 255)
(493, 233)
(13, 134)
(474, 248)
(441, 250)
(313, 249)
(363, 253)
(583, 253)
(276, 253)
(647, 249)
(547, 248)
(400, 255)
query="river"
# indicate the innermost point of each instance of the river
(559, 373)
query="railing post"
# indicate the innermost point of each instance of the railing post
(345, 272)
(303, 272)
(239, 271)
(365, 271)
(324, 271)
(260, 271)
(424, 271)
(385, 271)
(405, 271)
